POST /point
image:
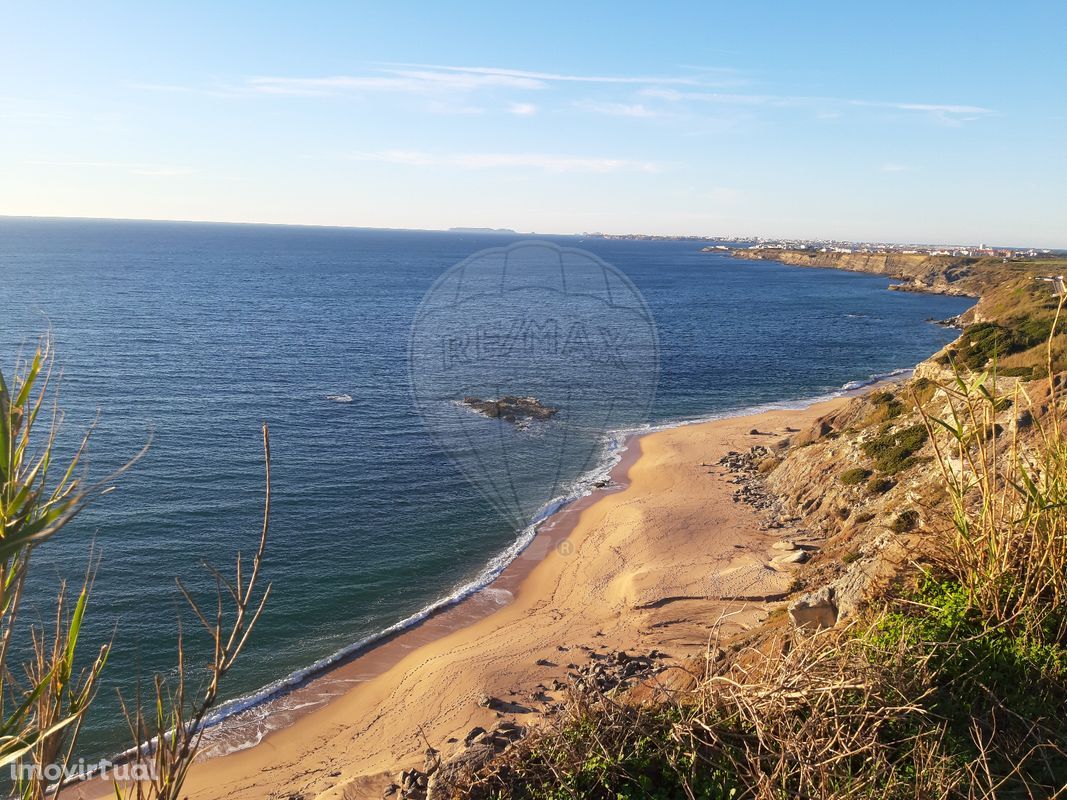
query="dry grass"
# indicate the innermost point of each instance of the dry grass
(1037, 357)
(819, 716)
(1008, 542)
(67, 693)
(838, 714)
(955, 688)
(821, 720)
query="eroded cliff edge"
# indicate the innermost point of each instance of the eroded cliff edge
(943, 274)
(864, 477)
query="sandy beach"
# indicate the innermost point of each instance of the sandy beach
(654, 562)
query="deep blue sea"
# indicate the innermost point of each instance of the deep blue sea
(192, 334)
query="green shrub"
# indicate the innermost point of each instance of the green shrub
(985, 340)
(923, 389)
(886, 407)
(879, 484)
(905, 521)
(1014, 683)
(1033, 330)
(854, 476)
(892, 451)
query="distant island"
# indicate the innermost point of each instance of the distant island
(481, 230)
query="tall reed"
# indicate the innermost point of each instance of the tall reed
(1003, 458)
(41, 713)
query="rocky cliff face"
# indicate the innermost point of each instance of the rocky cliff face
(864, 478)
(917, 272)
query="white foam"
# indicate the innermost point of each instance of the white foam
(852, 386)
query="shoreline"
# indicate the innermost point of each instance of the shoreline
(647, 565)
(284, 702)
(293, 709)
(384, 651)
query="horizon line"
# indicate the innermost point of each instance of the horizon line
(502, 231)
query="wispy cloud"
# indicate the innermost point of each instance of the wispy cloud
(537, 161)
(545, 78)
(436, 78)
(408, 81)
(945, 111)
(948, 113)
(726, 98)
(522, 109)
(636, 110)
(172, 88)
(450, 89)
(933, 108)
(161, 172)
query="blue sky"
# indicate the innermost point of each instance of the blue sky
(903, 121)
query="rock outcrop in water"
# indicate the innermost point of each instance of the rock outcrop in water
(520, 411)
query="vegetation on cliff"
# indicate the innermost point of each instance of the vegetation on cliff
(945, 274)
(1011, 326)
(945, 565)
(950, 684)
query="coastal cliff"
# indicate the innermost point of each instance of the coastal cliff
(779, 600)
(864, 476)
(906, 608)
(954, 275)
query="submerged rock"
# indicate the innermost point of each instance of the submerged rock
(511, 408)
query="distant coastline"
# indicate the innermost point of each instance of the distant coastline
(484, 230)
(961, 276)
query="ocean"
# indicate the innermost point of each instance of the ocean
(388, 496)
